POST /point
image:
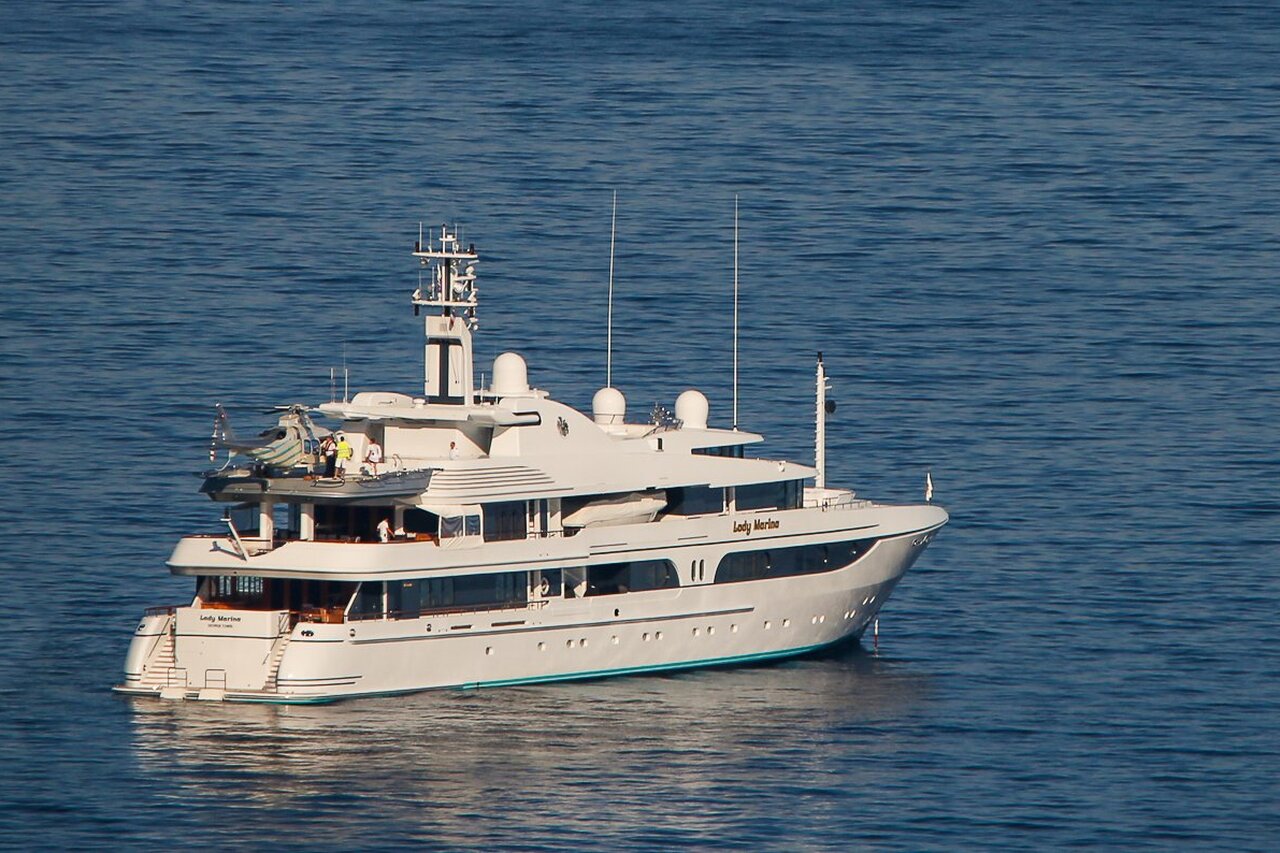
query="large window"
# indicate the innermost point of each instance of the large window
(787, 494)
(254, 593)
(633, 576)
(505, 521)
(420, 521)
(368, 603)
(695, 500)
(406, 599)
(345, 523)
(786, 562)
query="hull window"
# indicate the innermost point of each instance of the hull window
(787, 562)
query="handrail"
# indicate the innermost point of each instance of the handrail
(441, 611)
(162, 610)
(235, 536)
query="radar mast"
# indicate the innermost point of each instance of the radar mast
(451, 289)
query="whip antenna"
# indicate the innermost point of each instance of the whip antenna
(735, 310)
(613, 231)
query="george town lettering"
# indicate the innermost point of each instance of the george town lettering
(745, 527)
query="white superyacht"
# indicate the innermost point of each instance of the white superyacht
(468, 537)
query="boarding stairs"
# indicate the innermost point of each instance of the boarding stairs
(273, 663)
(161, 665)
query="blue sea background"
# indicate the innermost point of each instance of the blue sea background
(1037, 244)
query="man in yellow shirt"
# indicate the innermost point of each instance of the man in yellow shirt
(344, 453)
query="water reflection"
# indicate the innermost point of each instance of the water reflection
(539, 765)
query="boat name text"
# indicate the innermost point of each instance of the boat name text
(745, 527)
(218, 618)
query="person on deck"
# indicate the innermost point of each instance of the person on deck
(344, 453)
(384, 530)
(374, 456)
(329, 450)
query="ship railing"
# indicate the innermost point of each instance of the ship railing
(320, 615)
(163, 610)
(840, 500)
(452, 610)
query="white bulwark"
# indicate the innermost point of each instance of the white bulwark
(467, 537)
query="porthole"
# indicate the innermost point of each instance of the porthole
(582, 643)
(488, 650)
(614, 639)
(645, 636)
(767, 625)
(658, 636)
(542, 647)
(711, 629)
(813, 621)
(822, 619)
(786, 623)
(569, 643)
(733, 629)
(695, 632)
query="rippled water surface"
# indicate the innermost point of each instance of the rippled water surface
(1037, 245)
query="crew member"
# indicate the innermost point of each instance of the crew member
(329, 450)
(344, 453)
(374, 456)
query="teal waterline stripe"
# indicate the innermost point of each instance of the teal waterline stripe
(543, 679)
(636, 670)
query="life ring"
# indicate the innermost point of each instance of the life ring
(544, 587)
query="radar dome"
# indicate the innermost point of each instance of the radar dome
(510, 376)
(608, 406)
(692, 409)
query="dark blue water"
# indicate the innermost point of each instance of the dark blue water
(1038, 246)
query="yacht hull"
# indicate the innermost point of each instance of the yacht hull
(640, 632)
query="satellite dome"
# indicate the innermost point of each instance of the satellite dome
(692, 409)
(609, 406)
(510, 376)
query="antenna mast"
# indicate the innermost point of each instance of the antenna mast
(820, 428)
(613, 231)
(735, 310)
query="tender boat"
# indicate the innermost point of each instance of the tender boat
(468, 537)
